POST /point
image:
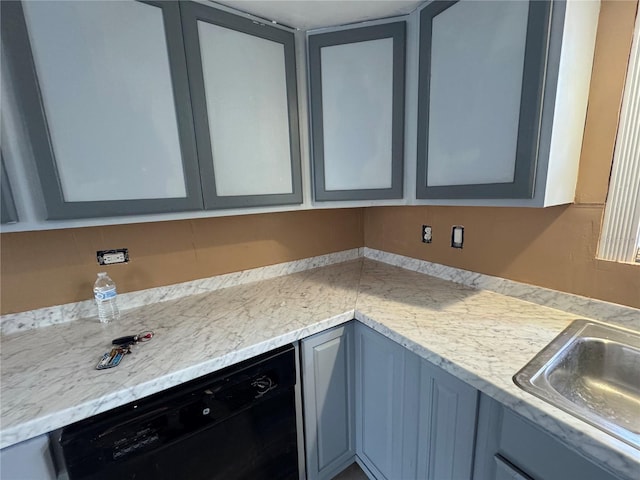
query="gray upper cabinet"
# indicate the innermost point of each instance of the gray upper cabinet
(7, 205)
(103, 90)
(357, 84)
(138, 107)
(243, 88)
(481, 80)
(328, 386)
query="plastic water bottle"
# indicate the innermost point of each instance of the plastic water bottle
(104, 291)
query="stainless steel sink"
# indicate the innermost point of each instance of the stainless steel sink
(592, 371)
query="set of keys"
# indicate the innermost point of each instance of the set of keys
(122, 347)
(112, 359)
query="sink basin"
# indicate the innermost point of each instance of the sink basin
(591, 371)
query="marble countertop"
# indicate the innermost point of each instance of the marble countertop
(48, 377)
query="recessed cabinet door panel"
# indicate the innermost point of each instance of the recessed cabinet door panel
(476, 75)
(247, 112)
(242, 78)
(357, 81)
(113, 134)
(357, 96)
(480, 98)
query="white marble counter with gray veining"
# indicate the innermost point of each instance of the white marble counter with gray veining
(48, 376)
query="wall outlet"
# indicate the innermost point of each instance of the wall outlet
(426, 234)
(457, 236)
(109, 257)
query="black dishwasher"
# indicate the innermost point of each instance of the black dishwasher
(238, 423)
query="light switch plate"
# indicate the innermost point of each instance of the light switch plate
(457, 236)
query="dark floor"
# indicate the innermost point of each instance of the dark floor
(354, 472)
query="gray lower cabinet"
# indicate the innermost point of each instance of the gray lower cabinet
(413, 420)
(28, 460)
(328, 386)
(379, 403)
(446, 425)
(510, 447)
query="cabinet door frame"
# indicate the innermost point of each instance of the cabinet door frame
(29, 99)
(536, 47)
(345, 335)
(367, 338)
(435, 384)
(192, 13)
(8, 206)
(396, 31)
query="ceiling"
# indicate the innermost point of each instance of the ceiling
(312, 14)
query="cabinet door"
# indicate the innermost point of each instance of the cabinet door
(379, 403)
(328, 389)
(243, 87)
(480, 98)
(7, 206)
(540, 455)
(357, 112)
(446, 425)
(30, 459)
(506, 438)
(103, 90)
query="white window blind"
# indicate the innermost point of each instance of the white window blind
(621, 229)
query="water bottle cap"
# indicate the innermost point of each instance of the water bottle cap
(102, 274)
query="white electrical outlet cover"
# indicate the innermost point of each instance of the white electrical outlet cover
(110, 258)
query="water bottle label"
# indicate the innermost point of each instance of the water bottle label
(106, 295)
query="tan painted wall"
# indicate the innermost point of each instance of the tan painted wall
(53, 267)
(553, 247)
(613, 45)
